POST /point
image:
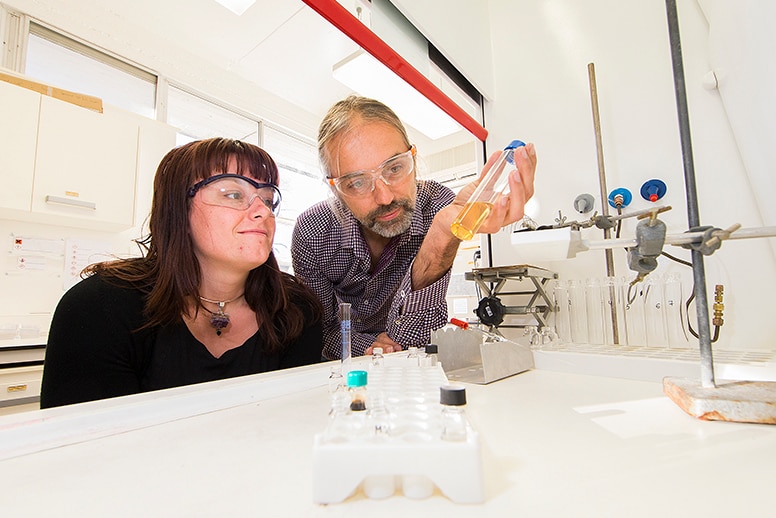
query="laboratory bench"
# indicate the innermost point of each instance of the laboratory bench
(552, 443)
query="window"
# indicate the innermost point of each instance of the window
(197, 118)
(58, 60)
(301, 183)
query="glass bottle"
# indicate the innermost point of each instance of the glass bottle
(481, 201)
(357, 390)
(453, 400)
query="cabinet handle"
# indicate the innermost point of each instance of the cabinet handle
(71, 203)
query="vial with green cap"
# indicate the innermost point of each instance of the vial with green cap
(481, 202)
(357, 389)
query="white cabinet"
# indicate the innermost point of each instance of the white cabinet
(81, 171)
(18, 133)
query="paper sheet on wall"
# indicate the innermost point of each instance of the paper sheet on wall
(80, 253)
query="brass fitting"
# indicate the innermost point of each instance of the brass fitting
(718, 306)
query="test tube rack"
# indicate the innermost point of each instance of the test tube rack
(411, 458)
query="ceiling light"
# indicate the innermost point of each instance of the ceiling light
(362, 73)
(238, 7)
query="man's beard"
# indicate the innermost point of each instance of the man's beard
(394, 227)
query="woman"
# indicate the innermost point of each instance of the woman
(205, 302)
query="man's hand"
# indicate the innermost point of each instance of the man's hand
(510, 207)
(388, 345)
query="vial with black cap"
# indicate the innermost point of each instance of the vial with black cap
(453, 400)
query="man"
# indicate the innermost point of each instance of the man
(383, 243)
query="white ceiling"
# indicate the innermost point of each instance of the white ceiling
(282, 48)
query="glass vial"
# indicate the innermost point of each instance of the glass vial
(377, 414)
(339, 427)
(357, 390)
(484, 196)
(336, 381)
(453, 400)
(430, 359)
(378, 360)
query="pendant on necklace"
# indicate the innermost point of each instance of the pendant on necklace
(219, 319)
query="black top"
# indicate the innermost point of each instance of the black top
(94, 350)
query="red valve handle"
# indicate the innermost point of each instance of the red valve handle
(460, 323)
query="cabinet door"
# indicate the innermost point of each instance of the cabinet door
(85, 166)
(18, 129)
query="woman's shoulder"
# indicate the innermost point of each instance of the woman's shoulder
(105, 290)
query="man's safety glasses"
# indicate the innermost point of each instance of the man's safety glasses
(236, 192)
(361, 183)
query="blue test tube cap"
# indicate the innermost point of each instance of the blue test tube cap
(356, 378)
(515, 144)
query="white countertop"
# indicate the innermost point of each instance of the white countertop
(554, 444)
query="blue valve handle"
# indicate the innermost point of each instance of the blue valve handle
(653, 190)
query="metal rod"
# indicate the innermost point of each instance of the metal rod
(693, 217)
(602, 186)
(684, 238)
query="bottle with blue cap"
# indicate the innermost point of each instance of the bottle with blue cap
(481, 202)
(357, 389)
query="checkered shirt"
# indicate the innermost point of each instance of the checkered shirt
(331, 256)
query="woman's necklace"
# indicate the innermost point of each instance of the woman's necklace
(219, 319)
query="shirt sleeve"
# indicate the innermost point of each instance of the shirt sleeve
(415, 314)
(92, 350)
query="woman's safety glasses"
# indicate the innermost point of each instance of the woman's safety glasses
(236, 192)
(361, 183)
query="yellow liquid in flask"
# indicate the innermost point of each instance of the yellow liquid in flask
(469, 220)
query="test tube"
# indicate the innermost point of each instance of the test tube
(594, 307)
(480, 203)
(344, 316)
(675, 312)
(654, 312)
(562, 324)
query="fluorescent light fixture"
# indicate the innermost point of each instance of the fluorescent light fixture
(362, 73)
(238, 7)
